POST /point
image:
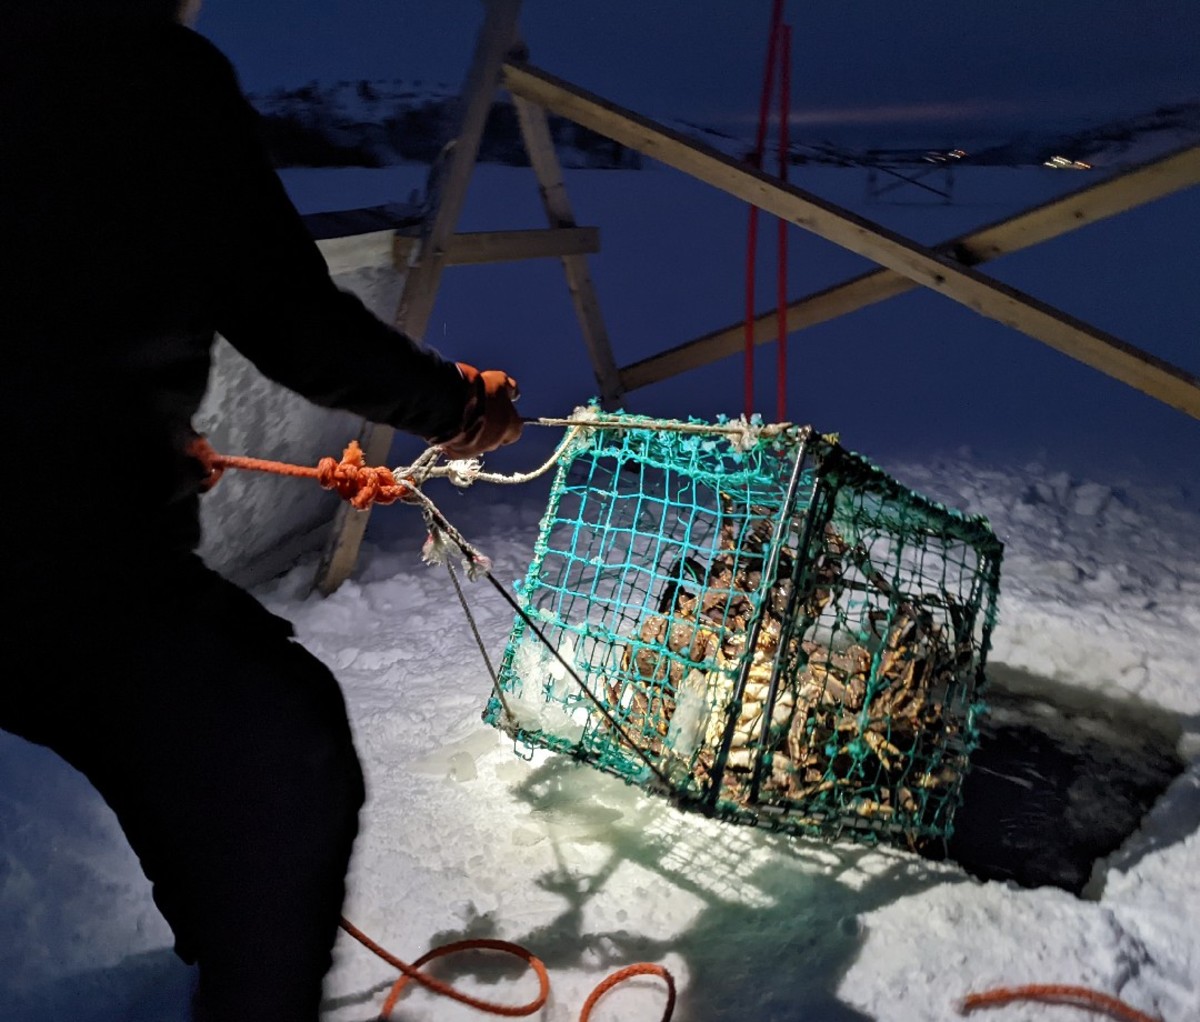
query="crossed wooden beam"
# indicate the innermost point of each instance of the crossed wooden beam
(947, 269)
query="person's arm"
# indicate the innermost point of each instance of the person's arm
(275, 299)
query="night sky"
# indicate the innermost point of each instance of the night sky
(885, 63)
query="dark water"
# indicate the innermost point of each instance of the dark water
(1061, 779)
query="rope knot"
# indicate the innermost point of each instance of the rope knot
(358, 483)
(199, 448)
(462, 472)
(746, 432)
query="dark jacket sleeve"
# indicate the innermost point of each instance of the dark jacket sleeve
(274, 298)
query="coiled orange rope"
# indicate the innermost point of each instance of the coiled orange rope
(1057, 993)
(638, 969)
(351, 478)
(411, 972)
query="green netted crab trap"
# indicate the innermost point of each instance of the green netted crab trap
(756, 623)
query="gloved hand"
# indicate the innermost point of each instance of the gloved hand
(489, 420)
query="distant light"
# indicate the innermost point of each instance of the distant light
(1063, 163)
(943, 156)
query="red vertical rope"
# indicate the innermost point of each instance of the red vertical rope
(760, 145)
(785, 89)
(751, 245)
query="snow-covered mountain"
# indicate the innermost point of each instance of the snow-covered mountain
(1113, 143)
(1105, 144)
(379, 123)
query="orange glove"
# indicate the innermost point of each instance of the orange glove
(489, 420)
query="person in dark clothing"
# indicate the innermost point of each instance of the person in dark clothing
(140, 216)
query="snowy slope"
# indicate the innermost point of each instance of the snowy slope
(378, 123)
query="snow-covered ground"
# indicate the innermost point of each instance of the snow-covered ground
(1092, 487)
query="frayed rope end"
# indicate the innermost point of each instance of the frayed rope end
(439, 548)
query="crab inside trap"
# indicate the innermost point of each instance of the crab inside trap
(758, 624)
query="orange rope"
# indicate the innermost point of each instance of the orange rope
(639, 969)
(1057, 993)
(411, 972)
(354, 481)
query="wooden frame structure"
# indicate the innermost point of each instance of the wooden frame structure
(423, 255)
(1136, 187)
(936, 270)
(948, 268)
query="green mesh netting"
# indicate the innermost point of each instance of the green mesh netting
(760, 625)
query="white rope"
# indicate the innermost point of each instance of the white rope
(743, 435)
(470, 470)
(744, 432)
(462, 472)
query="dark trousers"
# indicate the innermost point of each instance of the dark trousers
(224, 749)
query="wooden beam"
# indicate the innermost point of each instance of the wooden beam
(935, 270)
(1137, 186)
(1153, 180)
(506, 246)
(496, 37)
(449, 190)
(539, 145)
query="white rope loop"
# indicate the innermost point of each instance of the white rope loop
(744, 434)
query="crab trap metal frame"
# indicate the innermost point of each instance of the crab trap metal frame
(756, 623)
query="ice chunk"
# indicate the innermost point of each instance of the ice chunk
(690, 719)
